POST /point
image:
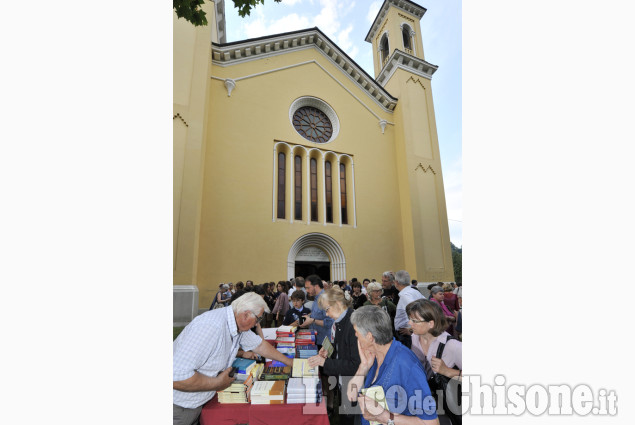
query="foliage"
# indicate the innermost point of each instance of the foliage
(457, 261)
(191, 11)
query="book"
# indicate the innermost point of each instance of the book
(257, 370)
(326, 344)
(287, 329)
(268, 392)
(243, 365)
(304, 390)
(302, 369)
(273, 373)
(376, 393)
(237, 392)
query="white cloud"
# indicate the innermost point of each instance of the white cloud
(372, 10)
(343, 39)
(260, 27)
(291, 2)
(328, 19)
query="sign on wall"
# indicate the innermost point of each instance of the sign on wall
(312, 253)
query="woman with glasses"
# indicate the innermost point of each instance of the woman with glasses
(375, 292)
(428, 326)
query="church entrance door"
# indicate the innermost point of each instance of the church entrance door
(320, 268)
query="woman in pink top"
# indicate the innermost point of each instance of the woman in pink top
(428, 323)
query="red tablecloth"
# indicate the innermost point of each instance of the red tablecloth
(214, 413)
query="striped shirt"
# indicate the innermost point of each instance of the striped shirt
(207, 345)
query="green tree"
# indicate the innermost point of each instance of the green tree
(191, 11)
(457, 261)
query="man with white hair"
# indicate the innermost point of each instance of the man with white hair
(407, 294)
(205, 350)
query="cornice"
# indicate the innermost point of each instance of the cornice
(408, 63)
(259, 48)
(404, 5)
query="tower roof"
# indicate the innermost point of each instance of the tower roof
(405, 5)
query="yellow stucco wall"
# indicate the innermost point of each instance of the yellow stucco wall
(239, 240)
(424, 215)
(191, 67)
(225, 226)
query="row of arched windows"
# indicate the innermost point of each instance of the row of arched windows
(312, 186)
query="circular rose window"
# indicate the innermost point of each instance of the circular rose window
(314, 119)
(313, 124)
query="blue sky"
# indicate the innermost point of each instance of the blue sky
(347, 23)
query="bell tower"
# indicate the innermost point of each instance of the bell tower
(396, 26)
(401, 69)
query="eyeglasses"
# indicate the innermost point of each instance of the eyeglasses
(258, 318)
(415, 321)
(327, 309)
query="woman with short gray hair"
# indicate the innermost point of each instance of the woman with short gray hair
(387, 363)
(222, 297)
(374, 293)
(438, 296)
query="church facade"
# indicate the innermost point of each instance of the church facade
(289, 159)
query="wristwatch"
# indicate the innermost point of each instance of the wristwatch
(391, 421)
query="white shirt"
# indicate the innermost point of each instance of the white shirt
(207, 345)
(406, 296)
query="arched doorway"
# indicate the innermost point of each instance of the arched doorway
(316, 253)
(313, 260)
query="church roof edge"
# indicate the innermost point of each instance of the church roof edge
(241, 49)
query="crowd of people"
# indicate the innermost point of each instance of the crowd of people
(412, 340)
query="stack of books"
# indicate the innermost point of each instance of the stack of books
(305, 337)
(305, 351)
(285, 337)
(274, 373)
(267, 392)
(237, 392)
(305, 344)
(304, 390)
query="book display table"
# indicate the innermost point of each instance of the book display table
(215, 413)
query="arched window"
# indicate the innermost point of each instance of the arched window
(405, 32)
(343, 193)
(298, 187)
(328, 184)
(383, 46)
(281, 183)
(314, 202)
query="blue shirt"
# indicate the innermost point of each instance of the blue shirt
(207, 345)
(404, 382)
(319, 314)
